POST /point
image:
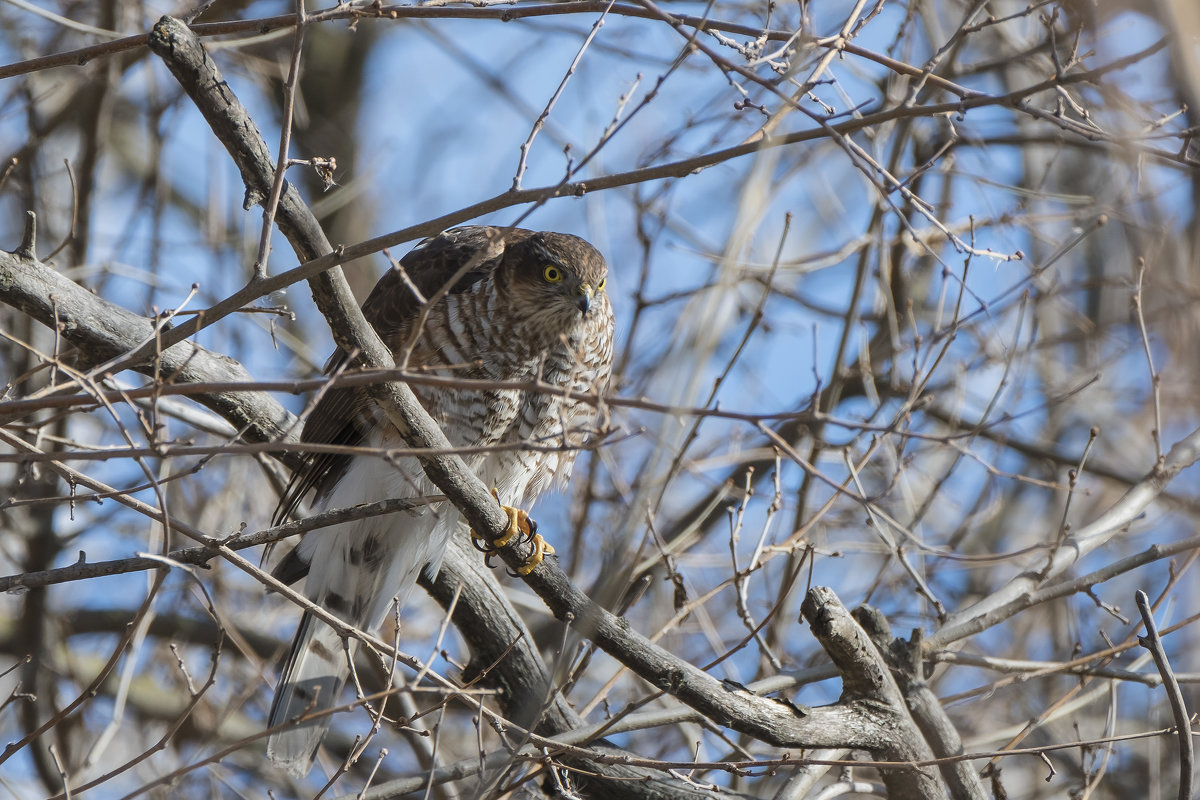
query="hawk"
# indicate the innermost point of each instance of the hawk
(513, 314)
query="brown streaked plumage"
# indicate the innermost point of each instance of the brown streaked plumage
(497, 306)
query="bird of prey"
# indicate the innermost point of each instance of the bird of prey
(512, 315)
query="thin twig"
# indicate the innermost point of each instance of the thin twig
(1183, 724)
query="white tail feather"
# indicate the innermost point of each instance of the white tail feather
(356, 571)
(313, 678)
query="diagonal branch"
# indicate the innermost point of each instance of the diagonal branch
(103, 331)
(1008, 600)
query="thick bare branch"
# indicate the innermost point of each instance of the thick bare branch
(871, 694)
(102, 332)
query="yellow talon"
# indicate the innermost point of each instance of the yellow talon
(541, 548)
(520, 526)
(518, 522)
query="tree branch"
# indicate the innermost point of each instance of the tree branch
(103, 331)
(869, 688)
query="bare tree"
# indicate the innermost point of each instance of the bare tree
(905, 294)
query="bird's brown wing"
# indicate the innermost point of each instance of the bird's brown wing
(460, 257)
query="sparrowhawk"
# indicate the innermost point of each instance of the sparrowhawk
(512, 315)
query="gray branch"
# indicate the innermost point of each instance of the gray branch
(904, 657)
(868, 687)
(102, 332)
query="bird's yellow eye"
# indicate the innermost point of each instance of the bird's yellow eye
(552, 274)
(600, 286)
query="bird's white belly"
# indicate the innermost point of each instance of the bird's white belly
(370, 561)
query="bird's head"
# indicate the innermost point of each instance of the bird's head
(560, 279)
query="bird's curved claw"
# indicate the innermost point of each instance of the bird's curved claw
(522, 529)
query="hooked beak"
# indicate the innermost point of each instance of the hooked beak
(584, 300)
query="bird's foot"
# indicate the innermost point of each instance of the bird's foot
(521, 528)
(541, 549)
